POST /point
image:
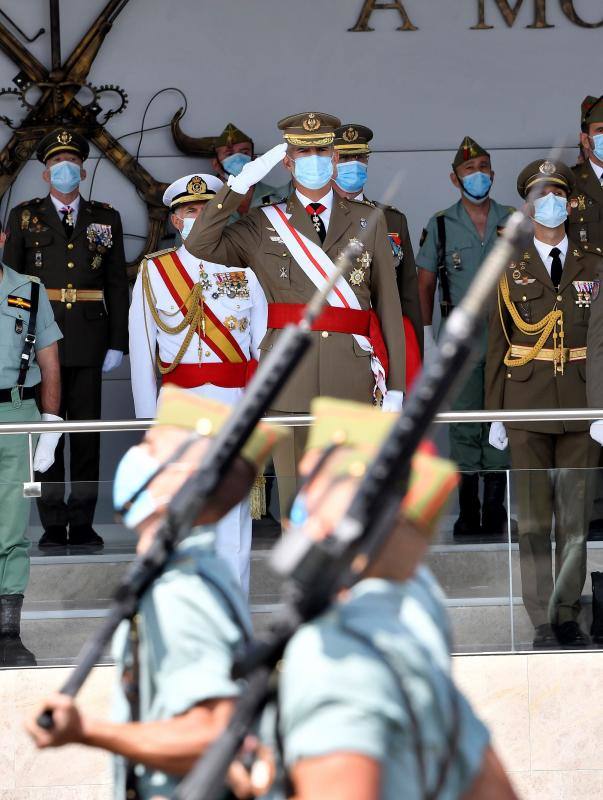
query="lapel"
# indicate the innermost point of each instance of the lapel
(300, 219)
(572, 267)
(84, 218)
(50, 216)
(536, 268)
(591, 184)
(339, 223)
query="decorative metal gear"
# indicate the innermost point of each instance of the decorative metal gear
(3, 118)
(110, 88)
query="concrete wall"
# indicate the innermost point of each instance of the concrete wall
(543, 711)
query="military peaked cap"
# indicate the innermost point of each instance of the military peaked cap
(352, 139)
(310, 129)
(62, 141)
(545, 171)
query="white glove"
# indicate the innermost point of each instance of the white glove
(113, 359)
(429, 345)
(393, 401)
(254, 171)
(47, 443)
(596, 431)
(498, 436)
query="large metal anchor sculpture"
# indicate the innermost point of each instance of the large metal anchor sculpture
(57, 104)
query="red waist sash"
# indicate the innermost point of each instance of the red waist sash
(334, 320)
(226, 375)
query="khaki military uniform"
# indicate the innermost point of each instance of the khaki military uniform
(550, 376)
(586, 210)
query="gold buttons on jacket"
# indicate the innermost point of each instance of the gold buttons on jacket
(559, 298)
(325, 334)
(524, 298)
(70, 264)
(508, 374)
(219, 205)
(70, 245)
(68, 306)
(70, 286)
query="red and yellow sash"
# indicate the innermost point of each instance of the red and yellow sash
(180, 285)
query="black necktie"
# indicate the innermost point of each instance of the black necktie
(556, 266)
(68, 220)
(315, 210)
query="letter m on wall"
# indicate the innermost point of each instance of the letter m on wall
(509, 13)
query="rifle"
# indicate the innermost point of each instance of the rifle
(193, 496)
(317, 571)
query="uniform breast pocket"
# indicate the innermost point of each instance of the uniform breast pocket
(13, 327)
(234, 313)
(277, 265)
(37, 246)
(525, 296)
(457, 257)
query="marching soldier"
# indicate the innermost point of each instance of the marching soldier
(233, 149)
(586, 202)
(536, 359)
(29, 360)
(358, 343)
(175, 656)
(200, 326)
(352, 143)
(453, 246)
(75, 247)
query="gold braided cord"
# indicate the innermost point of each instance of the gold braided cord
(545, 327)
(193, 319)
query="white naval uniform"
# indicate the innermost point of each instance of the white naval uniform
(234, 530)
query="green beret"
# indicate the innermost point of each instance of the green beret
(186, 410)
(309, 129)
(62, 140)
(469, 149)
(545, 171)
(591, 110)
(360, 430)
(231, 135)
(352, 139)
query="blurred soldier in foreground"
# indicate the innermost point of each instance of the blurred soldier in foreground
(233, 149)
(453, 246)
(29, 360)
(358, 347)
(174, 659)
(75, 247)
(367, 706)
(352, 143)
(200, 325)
(586, 201)
(537, 359)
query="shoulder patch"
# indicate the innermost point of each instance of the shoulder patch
(159, 253)
(423, 238)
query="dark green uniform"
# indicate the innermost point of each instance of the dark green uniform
(586, 210)
(92, 258)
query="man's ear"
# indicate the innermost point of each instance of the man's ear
(46, 175)
(216, 166)
(288, 162)
(455, 179)
(176, 221)
(585, 141)
(82, 173)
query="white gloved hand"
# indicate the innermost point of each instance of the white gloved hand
(254, 171)
(47, 443)
(113, 359)
(498, 436)
(429, 345)
(596, 431)
(393, 401)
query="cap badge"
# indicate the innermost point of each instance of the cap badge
(311, 124)
(196, 185)
(548, 168)
(350, 135)
(64, 137)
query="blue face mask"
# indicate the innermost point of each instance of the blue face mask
(351, 176)
(234, 164)
(133, 471)
(187, 225)
(313, 172)
(65, 176)
(299, 511)
(550, 210)
(477, 187)
(598, 146)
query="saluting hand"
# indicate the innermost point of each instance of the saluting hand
(254, 171)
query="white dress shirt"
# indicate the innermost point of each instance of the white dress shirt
(74, 206)
(544, 251)
(597, 170)
(327, 202)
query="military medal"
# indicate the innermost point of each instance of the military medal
(243, 324)
(18, 326)
(38, 259)
(583, 235)
(25, 217)
(394, 240)
(232, 284)
(231, 323)
(587, 292)
(283, 273)
(354, 243)
(96, 261)
(581, 203)
(203, 279)
(456, 259)
(363, 222)
(356, 276)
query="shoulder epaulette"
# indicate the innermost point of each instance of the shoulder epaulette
(440, 213)
(363, 202)
(35, 201)
(511, 209)
(32, 278)
(99, 204)
(160, 253)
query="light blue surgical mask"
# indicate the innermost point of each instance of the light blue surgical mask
(313, 172)
(298, 515)
(598, 146)
(550, 210)
(133, 471)
(187, 226)
(476, 187)
(351, 176)
(65, 176)
(234, 164)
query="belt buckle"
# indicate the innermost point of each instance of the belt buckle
(68, 295)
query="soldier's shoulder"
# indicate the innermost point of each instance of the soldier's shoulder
(32, 278)
(159, 253)
(35, 201)
(101, 204)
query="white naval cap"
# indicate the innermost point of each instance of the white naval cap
(191, 189)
